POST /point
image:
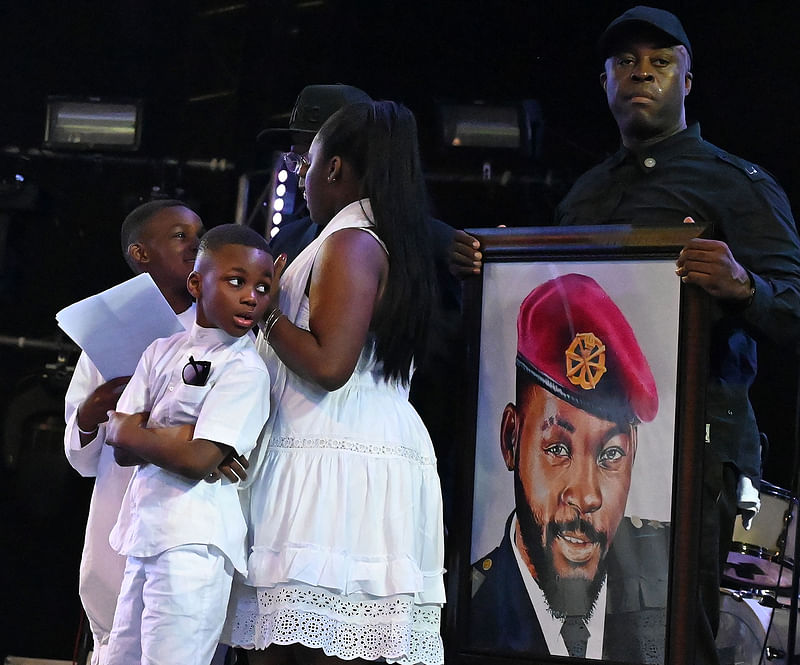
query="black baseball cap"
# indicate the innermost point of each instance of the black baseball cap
(314, 105)
(647, 18)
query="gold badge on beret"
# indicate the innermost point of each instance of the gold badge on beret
(586, 360)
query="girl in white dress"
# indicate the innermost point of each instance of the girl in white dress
(345, 504)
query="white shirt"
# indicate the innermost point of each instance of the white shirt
(161, 509)
(101, 567)
(551, 627)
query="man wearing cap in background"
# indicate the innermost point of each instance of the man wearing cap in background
(314, 105)
(572, 575)
(663, 174)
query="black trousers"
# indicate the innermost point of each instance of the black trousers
(718, 513)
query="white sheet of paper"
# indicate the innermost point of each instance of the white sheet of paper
(116, 326)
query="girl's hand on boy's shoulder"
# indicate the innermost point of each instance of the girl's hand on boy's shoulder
(275, 286)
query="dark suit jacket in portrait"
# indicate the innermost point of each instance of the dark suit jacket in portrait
(503, 619)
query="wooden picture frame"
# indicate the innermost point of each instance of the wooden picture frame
(635, 267)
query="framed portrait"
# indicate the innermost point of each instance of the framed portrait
(582, 455)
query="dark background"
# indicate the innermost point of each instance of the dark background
(211, 74)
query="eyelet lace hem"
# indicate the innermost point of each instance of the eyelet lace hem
(390, 628)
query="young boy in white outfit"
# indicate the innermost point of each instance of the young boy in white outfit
(161, 238)
(195, 397)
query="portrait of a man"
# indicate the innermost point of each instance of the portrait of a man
(573, 575)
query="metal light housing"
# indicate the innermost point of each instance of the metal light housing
(92, 124)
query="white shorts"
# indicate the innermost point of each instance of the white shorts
(171, 607)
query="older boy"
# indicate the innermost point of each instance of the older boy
(195, 398)
(161, 238)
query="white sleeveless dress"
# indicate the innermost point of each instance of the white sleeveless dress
(345, 509)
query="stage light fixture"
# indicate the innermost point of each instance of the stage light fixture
(92, 124)
(481, 127)
(506, 127)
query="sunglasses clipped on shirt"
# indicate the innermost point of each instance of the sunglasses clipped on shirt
(196, 372)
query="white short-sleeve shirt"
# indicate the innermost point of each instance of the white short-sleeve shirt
(161, 509)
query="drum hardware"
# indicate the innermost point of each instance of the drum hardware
(769, 599)
(758, 611)
(754, 627)
(762, 557)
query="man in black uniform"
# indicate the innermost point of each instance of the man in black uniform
(665, 173)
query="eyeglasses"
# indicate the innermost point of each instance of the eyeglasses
(295, 161)
(195, 372)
